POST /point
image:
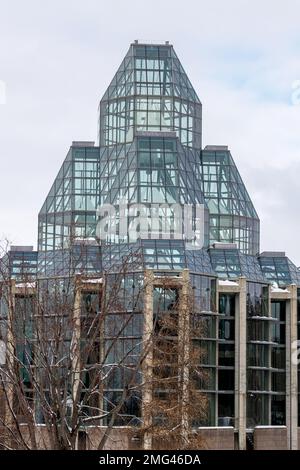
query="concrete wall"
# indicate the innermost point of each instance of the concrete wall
(214, 438)
(217, 438)
(125, 439)
(270, 438)
(41, 436)
(119, 439)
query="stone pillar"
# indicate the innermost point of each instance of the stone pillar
(241, 363)
(75, 348)
(291, 371)
(148, 357)
(183, 352)
(103, 314)
(10, 360)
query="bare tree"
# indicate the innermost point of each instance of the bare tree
(176, 407)
(75, 355)
(62, 337)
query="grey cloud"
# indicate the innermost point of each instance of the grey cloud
(57, 59)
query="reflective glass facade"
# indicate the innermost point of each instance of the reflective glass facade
(266, 358)
(20, 263)
(230, 263)
(150, 153)
(68, 215)
(233, 218)
(279, 269)
(150, 92)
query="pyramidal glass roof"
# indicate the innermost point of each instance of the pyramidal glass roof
(279, 269)
(150, 92)
(154, 66)
(150, 129)
(233, 218)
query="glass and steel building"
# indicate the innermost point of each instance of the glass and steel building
(19, 263)
(150, 160)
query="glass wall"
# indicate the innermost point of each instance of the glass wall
(19, 263)
(68, 216)
(278, 360)
(123, 331)
(265, 358)
(150, 92)
(204, 314)
(278, 269)
(226, 359)
(158, 173)
(233, 218)
(298, 338)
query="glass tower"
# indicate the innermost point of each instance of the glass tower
(149, 154)
(150, 92)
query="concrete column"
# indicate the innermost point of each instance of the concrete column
(241, 363)
(75, 348)
(216, 356)
(10, 360)
(184, 352)
(103, 314)
(291, 371)
(270, 334)
(148, 357)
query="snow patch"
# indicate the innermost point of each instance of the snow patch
(279, 290)
(2, 353)
(227, 283)
(92, 281)
(27, 285)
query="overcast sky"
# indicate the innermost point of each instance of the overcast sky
(243, 58)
